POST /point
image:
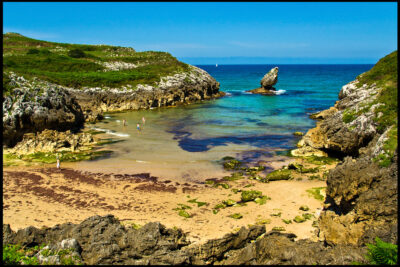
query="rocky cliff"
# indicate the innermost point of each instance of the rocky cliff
(362, 128)
(33, 106)
(185, 87)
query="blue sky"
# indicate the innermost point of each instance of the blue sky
(226, 32)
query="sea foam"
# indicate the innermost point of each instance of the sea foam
(111, 132)
(280, 92)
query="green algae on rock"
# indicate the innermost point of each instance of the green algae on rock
(281, 174)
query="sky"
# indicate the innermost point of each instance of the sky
(224, 32)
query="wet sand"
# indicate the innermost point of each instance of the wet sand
(45, 196)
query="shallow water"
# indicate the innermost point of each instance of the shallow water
(187, 142)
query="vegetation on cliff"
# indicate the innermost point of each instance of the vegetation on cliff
(76, 65)
(384, 75)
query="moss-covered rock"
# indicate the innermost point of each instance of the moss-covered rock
(299, 219)
(262, 200)
(278, 228)
(281, 174)
(249, 195)
(184, 213)
(232, 164)
(304, 208)
(263, 221)
(234, 176)
(229, 202)
(287, 221)
(236, 216)
(307, 216)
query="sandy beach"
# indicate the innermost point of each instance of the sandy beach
(45, 196)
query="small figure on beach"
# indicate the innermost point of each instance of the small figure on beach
(143, 120)
(124, 122)
(58, 162)
(138, 126)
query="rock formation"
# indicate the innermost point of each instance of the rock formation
(267, 83)
(35, 106)
(104, 240)
(171, 90)
(361, 201)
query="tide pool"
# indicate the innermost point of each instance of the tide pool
(188, 141)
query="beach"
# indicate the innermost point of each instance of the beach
(46, 196)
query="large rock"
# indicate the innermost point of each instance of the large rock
(334, 134)
(34, 107)
(53, 141)
(267, 83)
(270, 79)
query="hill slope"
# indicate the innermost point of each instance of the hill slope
(75, 65)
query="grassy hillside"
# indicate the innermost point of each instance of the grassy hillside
(77, 65)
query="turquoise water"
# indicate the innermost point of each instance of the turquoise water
(188, 141)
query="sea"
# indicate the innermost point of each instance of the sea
(188, 142)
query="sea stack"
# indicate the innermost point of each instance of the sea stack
(267, 83)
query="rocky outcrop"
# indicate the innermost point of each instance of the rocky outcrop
(362, 194)
(180, 88)
(35, 106)
(333, 134)
(52, 141)
(267, 83)
(270, 79)
(104, 240)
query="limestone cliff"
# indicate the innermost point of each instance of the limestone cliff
(185, 87)
(362, 128)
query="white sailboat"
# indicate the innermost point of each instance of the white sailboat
(216, 65)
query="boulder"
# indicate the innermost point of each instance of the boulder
(267, 83)
(270, 79)
(34, 107)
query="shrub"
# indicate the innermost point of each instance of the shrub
(382, 253)
(32, 51)
(76, 53)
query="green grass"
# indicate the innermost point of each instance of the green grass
(384, 74)
(349, 116)
(22, 56)
(389, 146)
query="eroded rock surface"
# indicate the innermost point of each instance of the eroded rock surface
(361, 194)
(267, 83)
(171, 90)
(35, 106)
(104, 240)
